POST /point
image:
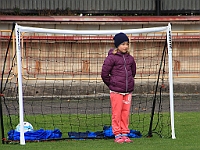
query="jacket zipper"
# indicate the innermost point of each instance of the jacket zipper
(126, 73)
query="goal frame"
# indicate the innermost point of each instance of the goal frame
(19, 29)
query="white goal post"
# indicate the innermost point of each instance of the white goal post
(19, 29)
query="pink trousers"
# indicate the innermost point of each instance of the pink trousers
(120, 105)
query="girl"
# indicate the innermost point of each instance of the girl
(118, 72)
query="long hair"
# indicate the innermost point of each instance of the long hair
(116, 50)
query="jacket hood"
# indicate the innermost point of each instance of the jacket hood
(110, 51)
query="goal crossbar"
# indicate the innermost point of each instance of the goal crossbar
(90, 32)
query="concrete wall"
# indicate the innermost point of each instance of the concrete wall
(186, 31)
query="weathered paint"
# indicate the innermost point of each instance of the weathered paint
(100, 18)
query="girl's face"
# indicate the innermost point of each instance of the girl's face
(123, 48)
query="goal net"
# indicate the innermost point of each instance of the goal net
(54, 82)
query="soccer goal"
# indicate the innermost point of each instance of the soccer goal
(54, 82)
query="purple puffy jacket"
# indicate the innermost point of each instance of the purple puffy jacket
(118, 72)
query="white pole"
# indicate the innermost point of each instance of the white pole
(169, 45)
(19, 68)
